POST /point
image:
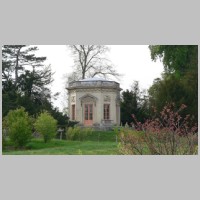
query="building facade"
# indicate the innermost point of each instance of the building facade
(94, 102)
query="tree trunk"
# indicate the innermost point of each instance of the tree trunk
(17, 66)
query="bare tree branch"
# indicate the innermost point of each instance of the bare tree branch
(91, 60)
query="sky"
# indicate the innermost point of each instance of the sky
(132, 61)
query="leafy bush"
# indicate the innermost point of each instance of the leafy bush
(19, 127)
(169, 134)
(46, 125)
(3, 141)
(72, 123)
(117, 129)
(77, 133)
(70, 133)
(132, 142)
(4, 131)
(86, 132)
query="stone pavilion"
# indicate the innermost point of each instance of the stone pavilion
(94, 102)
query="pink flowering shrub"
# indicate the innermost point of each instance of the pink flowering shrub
(131, 142)
(168, 134)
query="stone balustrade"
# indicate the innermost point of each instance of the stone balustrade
(90, 84)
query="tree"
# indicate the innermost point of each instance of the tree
(133, 102)
(90, 61)
(9, 94)
(166, 90)
(128, 106)
(19, 56)
(25, 79)
(46, 125)
(19, 127)
(166, 134)
(11, 59)
(179, 83)
(176, 58)
(61, 118)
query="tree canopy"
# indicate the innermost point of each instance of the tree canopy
(179, 83)
(90, 61)
(133, 102)
(26, 80)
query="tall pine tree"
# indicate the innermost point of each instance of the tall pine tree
(25, 79)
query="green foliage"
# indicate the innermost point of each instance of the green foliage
(175, 57)
(62, 119)
(4, 131)
(71, 132)
(9, 98)
(116, 129)
(179, 83)
(19, 127)
(20, 132)
(65, 147)
(131, 142)
(46, 125)
(3, 142)
(80, 152)
(167, 90)
(151, 143)
(90, 146)
(24, 79)
(133, 102)
(128, 106)
(169, 134)
(86, 132)
(77, 133)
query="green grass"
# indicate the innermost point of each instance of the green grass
(99, 143)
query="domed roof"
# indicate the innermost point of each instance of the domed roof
(94, 79)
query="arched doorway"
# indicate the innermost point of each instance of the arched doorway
(88, 103)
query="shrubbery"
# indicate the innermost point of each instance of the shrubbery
(3, 140)
(46, 125)
(77, 133)
(73, 133)
(19, 127)
(169, 134)
(131, 142)
(4, 130)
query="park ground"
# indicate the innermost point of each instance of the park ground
(103, 143)
(98, 143)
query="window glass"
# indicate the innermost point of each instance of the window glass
(106, 111)
(73, 112)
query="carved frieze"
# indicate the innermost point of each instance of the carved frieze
(88, 98)
(96, 90)
(73, 99)
(107, 98)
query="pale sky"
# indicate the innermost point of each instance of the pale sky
(132, 61)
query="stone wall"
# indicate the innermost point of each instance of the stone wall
(97, 93)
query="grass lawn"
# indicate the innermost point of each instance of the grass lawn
(99, 143)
